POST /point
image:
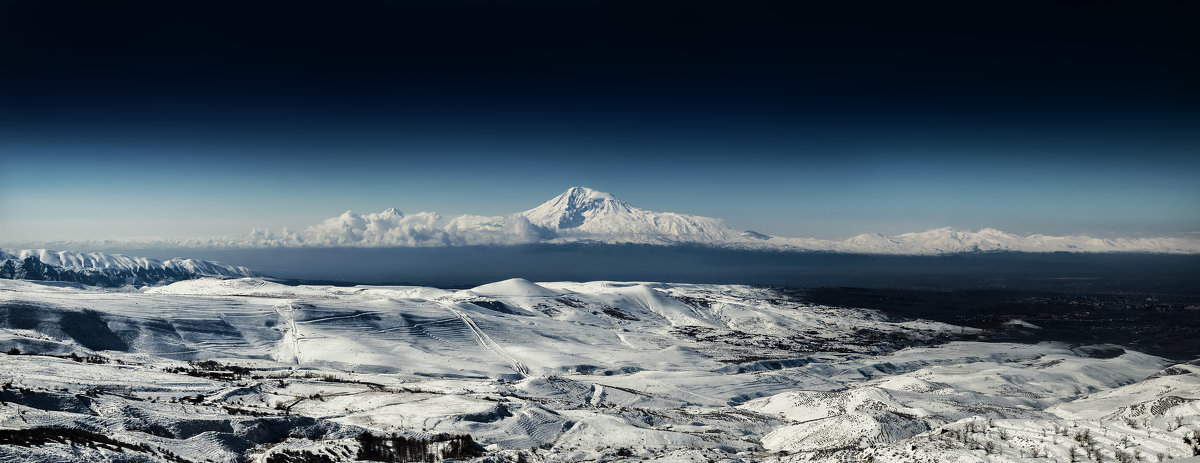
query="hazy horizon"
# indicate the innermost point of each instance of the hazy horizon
(90, 236)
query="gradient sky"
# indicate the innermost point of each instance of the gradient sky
(175, 119)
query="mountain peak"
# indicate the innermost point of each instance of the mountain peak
(574, 206)
(585, 194)
(584, 213)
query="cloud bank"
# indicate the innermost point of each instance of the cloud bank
(393, 228)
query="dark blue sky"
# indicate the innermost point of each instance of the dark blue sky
(825, 119)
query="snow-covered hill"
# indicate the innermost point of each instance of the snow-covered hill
(251, 370)
(101, 269)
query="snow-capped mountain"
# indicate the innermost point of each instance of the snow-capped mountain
(949, 241)
(577, 215)
(101, 269)
(582, 214)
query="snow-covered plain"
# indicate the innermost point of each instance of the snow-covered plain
(556, 371)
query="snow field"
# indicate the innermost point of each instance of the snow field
(227, 370)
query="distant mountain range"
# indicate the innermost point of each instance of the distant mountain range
(584, 215)
(100, 269)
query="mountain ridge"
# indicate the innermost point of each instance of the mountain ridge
(585, 215)
(102, 269)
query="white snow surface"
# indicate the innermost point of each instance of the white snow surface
(582, 214)
(99, 261)
(558, 371)
(516, 287)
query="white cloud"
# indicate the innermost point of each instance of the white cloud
(392, 228)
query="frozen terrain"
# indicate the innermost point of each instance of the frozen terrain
(250, 370)
(101, 269)
(584, 215)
